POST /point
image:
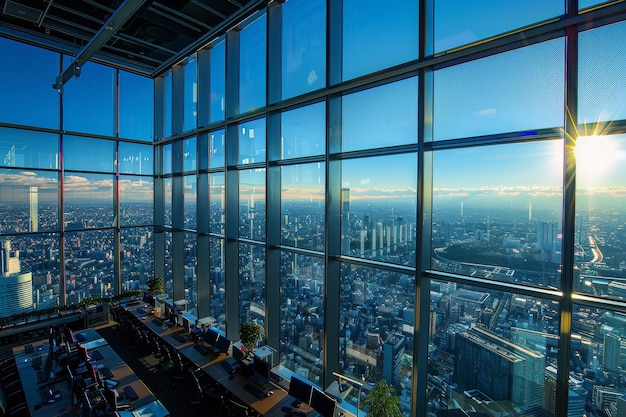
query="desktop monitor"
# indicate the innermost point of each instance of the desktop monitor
(239, 353)
(300, 390)
(210, 336)
(322, 403)
(222, 345)
(261, 369)
(148, 299)
(110, 397)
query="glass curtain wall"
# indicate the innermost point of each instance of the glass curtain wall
(429, 196)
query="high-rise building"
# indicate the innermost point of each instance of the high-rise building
(393, 353)
(612, 351)
(16, 288)
(34, 209)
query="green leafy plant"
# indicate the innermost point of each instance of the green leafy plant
(156, 286)
(250, 334)
(383, 401)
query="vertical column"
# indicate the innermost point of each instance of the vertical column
(159, 195)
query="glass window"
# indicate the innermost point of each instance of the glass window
(167, 158)
(252, 65)
(217, 198)
(190, 94)
(378, 208)
(190, 154)
(89, 265)
(459, 24)
(217, 149)
(28, 149)
(88, 201)
(501, 219)
(39, 264)
(303, 47)
(190, 195)
(513, 91)
(136, 112)
(167, 196)
(191, 276)
(303, 205)
(304, 131)
(252, 141)
(29, 201)
(499, 347)
(302, 315)
(136, 257)
(87, 154)
(217, 83)
(167, 105)
(27, 97)
(89, 102)
(377, 37)
(381, 116)
(602, 85)
(217, 290)
(252, 204)
(251, 284)
(375, 329)
(136, 200)
(600, 240)
(135, 158)
(169, 275)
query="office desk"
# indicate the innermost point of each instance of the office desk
(191, 354)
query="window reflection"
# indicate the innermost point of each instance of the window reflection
(304, 131)
(217, 83)
(252, 141)
(252, 65)
(135, 158)
(87, 154)
(217, 149)
(190, 94)
(136, 111)
(23, 148)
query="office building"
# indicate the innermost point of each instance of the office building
(326, 166)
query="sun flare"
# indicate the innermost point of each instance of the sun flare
(595, 156)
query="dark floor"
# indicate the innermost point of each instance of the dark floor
(176, 396)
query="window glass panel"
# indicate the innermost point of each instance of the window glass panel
(190, 195)
(252, 65)
(380, 116)
(89, 102)
(167, 158)
(38, 272)
(189, 154)
(135, 158)
(217, 83)
(500, 347)
(136, 200)
(136, 257)
(89, 265)
(378, 208)
(459, 24)
(217, 290)
(508, 92)
(602, 85)
(252, 204)
(87, 154)
(167, 105)
(169, 276)
(217, 198)
(168, 195)
(136, 113)
(600, 239)
(583, 4)
(302, 205)
(29, 201)
(27, 72)
(252, 141)
(24, 148)
(501, 219)
(376, 338)
(191, 277)
(303, 47)
(88, 201)
(190, 94)
(251, 284)
(304, 131)
(375, 37)
(302, 315)
(217, 149)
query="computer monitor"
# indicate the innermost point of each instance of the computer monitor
(300, 390)
(148, 299)
(323, 403)
(210, 336)
(261, 369)
(239, 353)
(110, 397)
(222, 345)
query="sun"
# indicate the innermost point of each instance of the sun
(595, 157)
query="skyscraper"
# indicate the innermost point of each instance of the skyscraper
(16, 290)
(34, 209)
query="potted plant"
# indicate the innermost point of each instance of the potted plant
(156, 286)
(250, 333)
(383, 401)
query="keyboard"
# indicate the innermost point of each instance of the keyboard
(157, 322)
(130, 393)
(178, 338)
(254, 390)
(298, 412)
(201, 349)
(106, 372)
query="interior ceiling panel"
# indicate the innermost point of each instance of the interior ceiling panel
(152, 38)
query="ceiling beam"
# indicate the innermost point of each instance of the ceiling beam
(108, 29)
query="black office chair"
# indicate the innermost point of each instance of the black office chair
(178, 368)
(204, 395)
(236, 409)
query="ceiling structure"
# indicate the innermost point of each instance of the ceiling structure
(142, 36)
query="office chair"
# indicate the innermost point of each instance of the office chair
(203, 394)
(178, 368)
(237, 409)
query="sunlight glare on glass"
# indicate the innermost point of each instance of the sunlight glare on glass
(595, 156)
